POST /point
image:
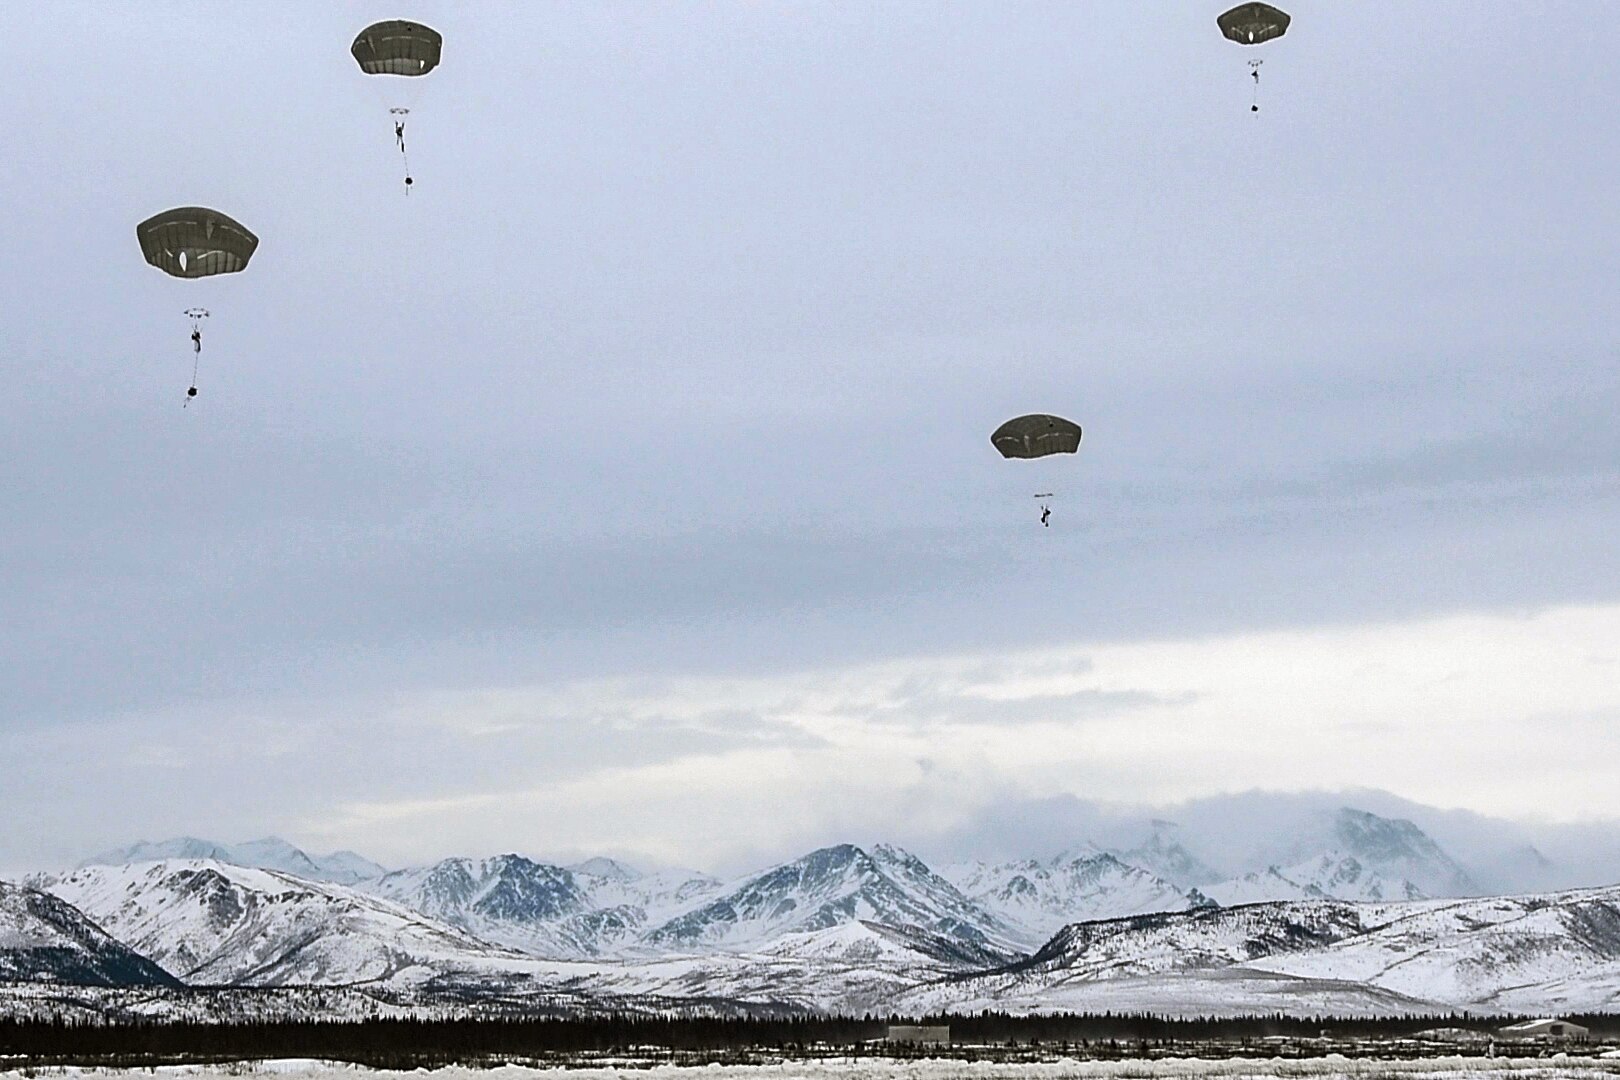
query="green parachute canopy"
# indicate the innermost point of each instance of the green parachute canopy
(397, 47)
(1250, 24)
(1036, 435)
(194, 242)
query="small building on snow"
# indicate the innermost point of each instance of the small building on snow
(1550, 1028)
(919, 1034)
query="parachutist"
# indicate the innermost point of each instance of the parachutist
(1251, 24)
(398, 48)
(1037, 435)
(196, 341)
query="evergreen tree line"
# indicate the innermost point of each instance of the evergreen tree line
(409, 1042)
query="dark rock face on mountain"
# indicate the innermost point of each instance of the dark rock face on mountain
(506, 888)
(46, 940)
(542, 909)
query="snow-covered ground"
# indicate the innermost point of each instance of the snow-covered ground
(1328, 1068)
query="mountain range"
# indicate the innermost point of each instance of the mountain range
(1372, 916)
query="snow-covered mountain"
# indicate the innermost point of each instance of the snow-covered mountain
(1258, 887)
(1558, 952)
(660, 894)
(598, 908)
(215, 924)
(831, 887)
(271, 853)
(1396, 850)
(1350, 854)
(1327, 877)
(45, 940)
(607, 870)
(1040, 897)
(534, 907)
(1165, 854)
(1347, 878)
(1344, 853)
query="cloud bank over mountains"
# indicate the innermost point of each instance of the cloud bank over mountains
(1221, 842)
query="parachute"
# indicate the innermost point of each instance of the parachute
(196, 242)
(398, 47)
(1037, 435)
(1253, 24)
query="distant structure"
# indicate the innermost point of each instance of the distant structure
(1550, 1028)
(919, 1034)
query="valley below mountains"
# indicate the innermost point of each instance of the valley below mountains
(1379, 920)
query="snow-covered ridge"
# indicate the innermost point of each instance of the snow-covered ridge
(43, 939)
(1557, 952)
(214, 924)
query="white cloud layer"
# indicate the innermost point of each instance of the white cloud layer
(1505, 715)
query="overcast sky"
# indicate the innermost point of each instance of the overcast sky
(628, 487)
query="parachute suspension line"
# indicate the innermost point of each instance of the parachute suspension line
(1254, 69)
(197, 315)
(399, 115)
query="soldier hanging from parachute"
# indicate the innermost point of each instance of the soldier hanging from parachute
(195, 242)
(1253, 24)
(197, 315)
(1037, 435)
(398, 47)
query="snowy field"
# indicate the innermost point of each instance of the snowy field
(1328, 1068)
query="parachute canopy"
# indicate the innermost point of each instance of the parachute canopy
(397, 47)
(1036, 435)
(194, 242)
(1250, 24)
